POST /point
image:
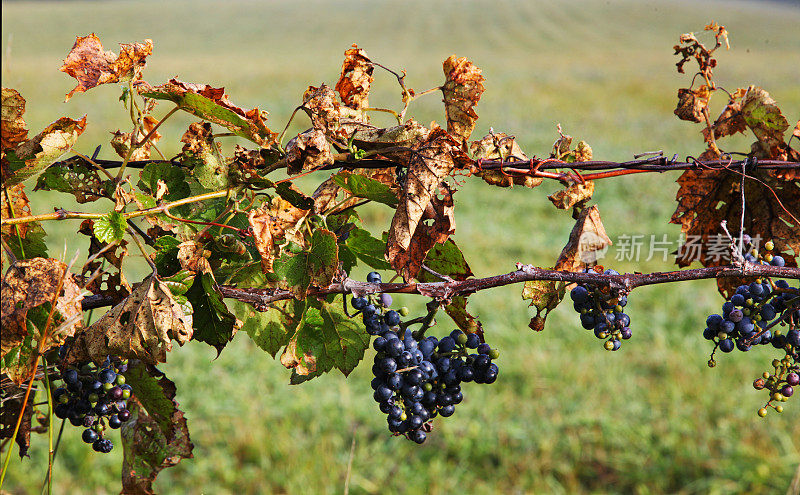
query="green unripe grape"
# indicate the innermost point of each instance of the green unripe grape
(749, 302)
(403, 311)
(777, 396)
(765, 374)
(461, 339)
(120, 379)
(608, 345)
(126, 394)
(603, 335)
(427, 386)
(108, 386)
(776, 363)
(618, 308)
(722, 336)
(768, 257)
(762, 412)
(403, 416)
(769, 245)
(494, 354)
(779, 408)
(746, 311)
(93, 398)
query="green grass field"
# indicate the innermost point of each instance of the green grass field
(565, 416)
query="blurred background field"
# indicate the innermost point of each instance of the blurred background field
(565, 416)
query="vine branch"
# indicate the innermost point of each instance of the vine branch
(261, 298)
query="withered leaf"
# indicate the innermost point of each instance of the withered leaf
(261, 224)
(121, 141)
(140, 327)
(692, 103)
(707, 197)
(19, 206)
(157, 435)
(409, 134)
(429, 165)
(765, 119)
(462, 90)
(500, 146)
(587, 243)
(202, 154)
(91, 66)
(307, 151)
(730, 121)
(35, 155)
(213, 105)
(13, 129)
(29, 284)
(354, 82)
(572, 194)
(10, 413)
(436, 225)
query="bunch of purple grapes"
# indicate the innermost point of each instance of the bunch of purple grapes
(94, 397)
(603, 312)
(417, 378)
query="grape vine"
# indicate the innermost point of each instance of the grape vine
(232, 244)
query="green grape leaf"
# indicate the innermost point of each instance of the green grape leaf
(366, 187)
(110, 227)
(271, 329)
(212, 104)
(213, 323)
(174, 178)
(326, 338)
(32, 246)
(367, 248)
(166, 256)
(447, 259)
(157, 435)
(316, 267)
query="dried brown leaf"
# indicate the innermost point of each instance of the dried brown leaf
(307, 151)
(45, 148)
(429, 165)
(13, 125)
(462, 90)
(692, 103)
(437, 224)
(121, 141)
(30, 283)
(707, 197)
(140, 327)
(587, 243)
(500, 146)
(91, 66)
(260, 223)
(574, 193)
(19, 206)
(356, 78)
(730, 121)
